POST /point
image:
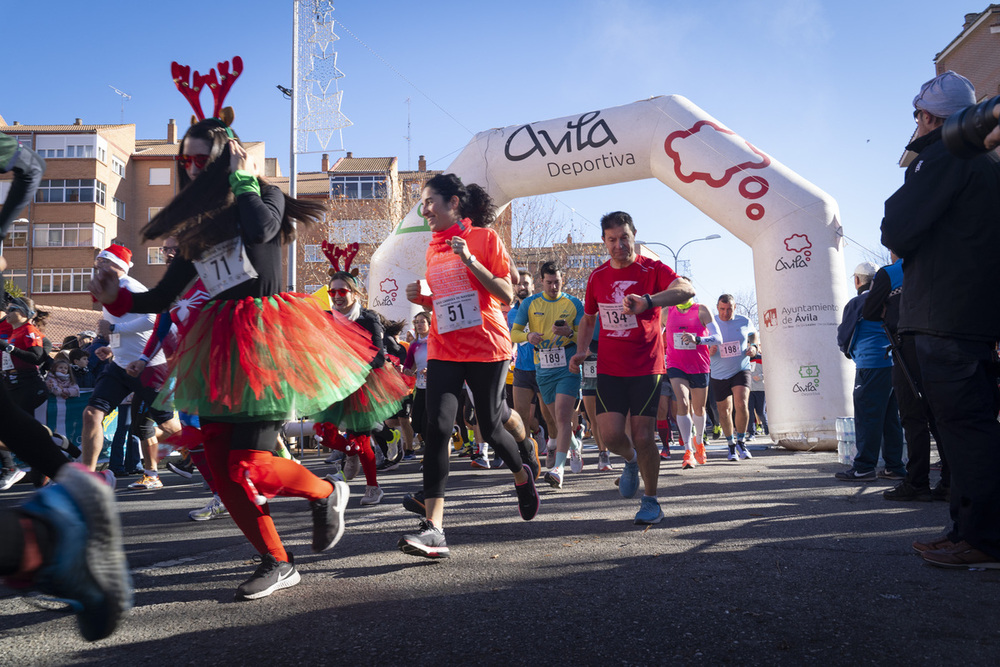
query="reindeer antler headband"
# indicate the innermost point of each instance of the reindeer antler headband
(334, 253)
(191, 87)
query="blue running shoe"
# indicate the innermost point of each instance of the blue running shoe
(649, 512)
(87, 568)
(629, 483)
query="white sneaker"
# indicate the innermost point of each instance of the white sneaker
(394, 445)
(213, 510)
(373, 495)
(10, 477)
(576, 456)
(352, 466)
(604, 462)
(550, 453)
(334, 456)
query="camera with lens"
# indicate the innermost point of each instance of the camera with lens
(964, 131)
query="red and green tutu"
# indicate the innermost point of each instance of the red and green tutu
(378, 399)
(267, 359)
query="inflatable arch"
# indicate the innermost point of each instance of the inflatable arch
(791, 226)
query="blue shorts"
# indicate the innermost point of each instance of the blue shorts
(694, 380)
(558, 382)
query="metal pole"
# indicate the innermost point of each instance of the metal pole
(293, 158)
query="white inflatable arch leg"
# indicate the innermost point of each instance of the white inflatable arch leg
(791, 226)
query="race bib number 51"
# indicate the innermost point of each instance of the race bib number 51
(224, 266)
(613, 318)
(458, 311)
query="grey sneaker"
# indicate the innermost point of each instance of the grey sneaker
(271, 575)
(427, 542)
(328, 516)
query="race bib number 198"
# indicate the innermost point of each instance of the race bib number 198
(730, 350)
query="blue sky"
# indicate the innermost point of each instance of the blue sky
(823, 87)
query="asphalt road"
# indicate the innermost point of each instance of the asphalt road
(764, 562)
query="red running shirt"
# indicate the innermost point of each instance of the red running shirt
(630, 346)
(468, 323)
(24, 337)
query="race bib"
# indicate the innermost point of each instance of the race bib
(553, 357)
(679, 343)
(613, 318)
(590, 369)
(458, 311)
(8, 363)
(730, 350)
(224, 266)
(115, 341)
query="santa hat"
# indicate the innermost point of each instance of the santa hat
(118, 255)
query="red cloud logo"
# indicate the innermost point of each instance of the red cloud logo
(797, 243)
(388, 286)
(688, 148)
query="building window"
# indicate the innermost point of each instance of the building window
(24, 140)
(314, 253)
(359, 231)
(71, 190)
(358, 187)
(362, 273)
(153, 210)
(312, 289)
(585, 261)
(52, 281)
(84, 150)
(155, 256)
(49, 153)
(119, 207)
(117, 166)
(18, 236)
(18, 277)
(68, 235)
(159, 176)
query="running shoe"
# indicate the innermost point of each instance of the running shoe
(465, 451)
(550, 453)
(733, 456)
(529, 454)
(10, 477)
(87, 567)
(890, 474)
(334, 456)
(852, 475)
(428, 542)
(744, 453)
(528, 501)
(352, 466)
(409, 456)
(393, 443)
(497, 463)
(147, 482)
(629, 484)
(373, 495)
(750, 437)
(604, 462)
(480, 461)
(688, 461)
(555, 478)
(716, 431)
(184, 467)
(665, 452)
(271, 575)
(699, 452)
(907, 492)
(576, 456)
(328, 516)
(649, 512)
(213, 510)
(414, 502)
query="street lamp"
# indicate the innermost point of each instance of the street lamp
(710, 237)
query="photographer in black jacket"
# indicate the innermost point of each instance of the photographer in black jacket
(943, 222)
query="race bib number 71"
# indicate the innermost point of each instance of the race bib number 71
(224, 266)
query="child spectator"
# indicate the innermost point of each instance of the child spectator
(60, 380)
(80, 366)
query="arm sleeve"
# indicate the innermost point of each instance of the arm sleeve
(32, 355)
(877, 296)
(139, 323)
(713, 337)
(260, 215)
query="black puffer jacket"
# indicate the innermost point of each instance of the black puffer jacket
(945, 224)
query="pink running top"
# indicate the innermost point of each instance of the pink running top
(688, 358)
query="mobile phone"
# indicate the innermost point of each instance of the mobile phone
(560, 323)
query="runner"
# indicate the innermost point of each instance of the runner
(468, 272)
(731, 343)
(253, 357)
(552, 318)
(628, 291)
(688, 366)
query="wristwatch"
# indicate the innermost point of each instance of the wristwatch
(472, 258)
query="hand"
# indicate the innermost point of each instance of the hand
(103, 329)
(993, 138)
(751, 350)
(240, 160)
(712, 349)
(535, 338)
(104, 286)
(688, 338)
(565, 330)
(135, 368)
(8, 348)
(413, 294)
(3, 263)
(576, 360)
(104, 353)
(633, 304)
(460, 248)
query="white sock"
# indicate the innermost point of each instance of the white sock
(699, 427)
(684, 425)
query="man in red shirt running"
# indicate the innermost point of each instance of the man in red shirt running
(627, 292)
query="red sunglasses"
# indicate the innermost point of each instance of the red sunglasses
(343, 291)
(200, 160)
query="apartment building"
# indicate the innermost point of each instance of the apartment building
(975, 52)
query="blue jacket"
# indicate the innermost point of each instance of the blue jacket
(861, 340)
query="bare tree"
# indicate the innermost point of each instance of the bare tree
(746, 304)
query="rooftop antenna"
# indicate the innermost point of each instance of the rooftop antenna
(125, 96)
(408, 137)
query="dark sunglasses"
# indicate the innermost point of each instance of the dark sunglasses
(343, 291)
(200, 160)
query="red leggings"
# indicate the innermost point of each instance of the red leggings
(354, 443)
(271, 475)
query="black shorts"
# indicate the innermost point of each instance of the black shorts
(695, 380)
(525, 380)
(723, 389)
(638, 396)
(114, 384)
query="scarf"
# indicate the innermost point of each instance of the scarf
(439, 240)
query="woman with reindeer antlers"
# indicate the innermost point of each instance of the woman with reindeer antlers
(254, 357)
(381, 395)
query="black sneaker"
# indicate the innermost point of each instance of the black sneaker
(528, 501)
(941, 492)
(889, 474)
(429, 542)
(184, 467)
(414, 502)
(906, 491)
(270, 575)
(852, 475)
(529, 454)
(328, 516)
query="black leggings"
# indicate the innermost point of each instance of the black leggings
(444, 386)
(27, 438)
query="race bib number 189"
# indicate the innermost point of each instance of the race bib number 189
(224, 266)
(553, 357)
